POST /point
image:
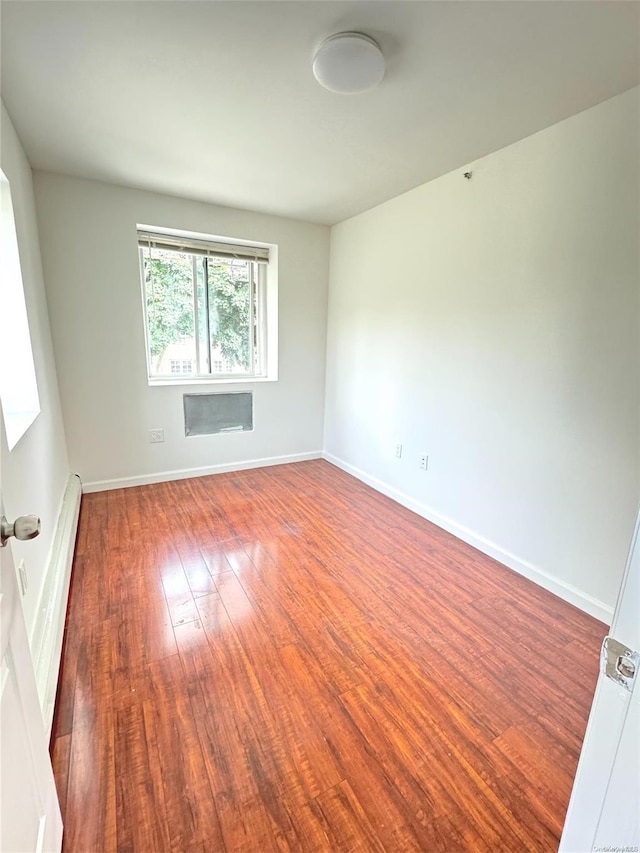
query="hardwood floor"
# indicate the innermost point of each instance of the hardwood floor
(284, 659)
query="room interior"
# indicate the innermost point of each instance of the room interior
(457, 273)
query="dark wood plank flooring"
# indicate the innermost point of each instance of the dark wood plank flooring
(284, 659)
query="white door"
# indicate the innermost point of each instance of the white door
(605, 802)
(29, 809)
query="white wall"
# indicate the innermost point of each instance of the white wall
(88, 237)
(34, 474)
(494, 324)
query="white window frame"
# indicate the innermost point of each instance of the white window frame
(266, 287)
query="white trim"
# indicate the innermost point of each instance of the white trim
(558, 587)
(185, 473)
(206, 379)
(48, 628)
(41, 828)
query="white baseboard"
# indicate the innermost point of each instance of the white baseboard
(48, 629)
(185, 473)
(558, 587)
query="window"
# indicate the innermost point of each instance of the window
(18, 385)
(205, 307)
(177, 365)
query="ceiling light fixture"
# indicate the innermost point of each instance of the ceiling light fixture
(348, 63)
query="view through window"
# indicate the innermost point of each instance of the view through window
(18, 384)
(204, 307)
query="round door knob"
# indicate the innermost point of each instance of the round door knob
(24, 527)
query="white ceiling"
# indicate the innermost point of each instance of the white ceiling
(216, 100)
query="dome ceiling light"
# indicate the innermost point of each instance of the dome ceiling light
(348, 63)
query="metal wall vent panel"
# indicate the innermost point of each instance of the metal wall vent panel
(209, 414)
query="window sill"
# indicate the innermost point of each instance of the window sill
(189, 383)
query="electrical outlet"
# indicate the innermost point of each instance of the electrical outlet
(398, 450)
(156, 436)
(424, 461)
(22, 574)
